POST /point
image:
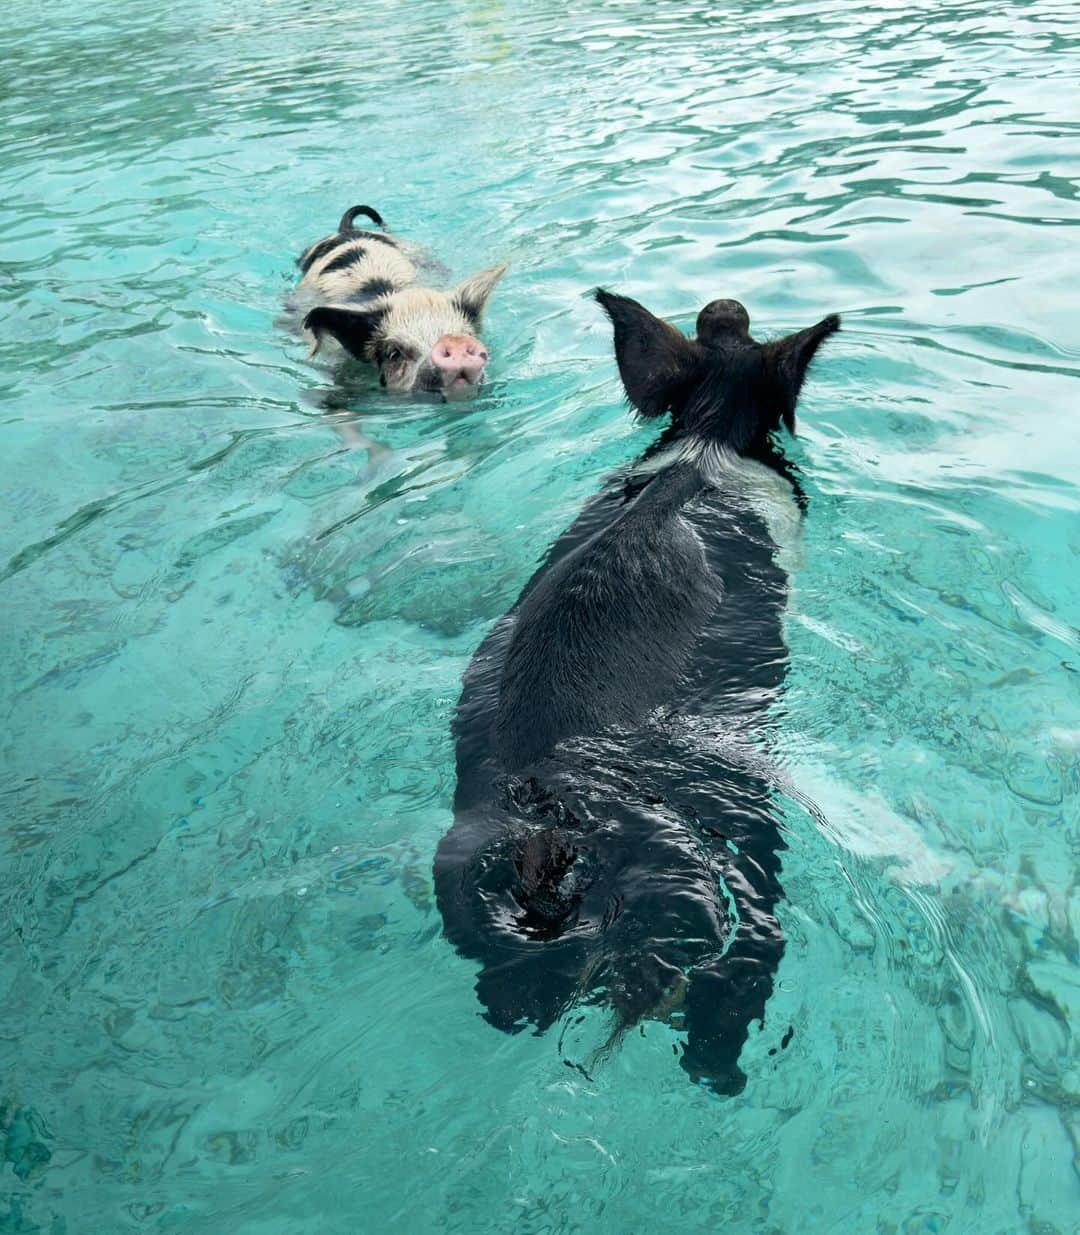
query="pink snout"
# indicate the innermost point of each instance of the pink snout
(459, 360)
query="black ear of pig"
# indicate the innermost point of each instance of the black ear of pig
(354, 329)
(656, 362)
(788, 359)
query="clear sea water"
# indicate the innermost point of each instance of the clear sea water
(233, 634)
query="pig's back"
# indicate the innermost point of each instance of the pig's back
(355, 266)
(603, 635)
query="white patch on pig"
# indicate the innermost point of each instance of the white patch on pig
(418, 317)
(380, 261)
(764, 489)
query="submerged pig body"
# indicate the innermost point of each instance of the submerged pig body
(366, 296)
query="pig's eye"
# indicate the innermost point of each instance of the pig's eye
(394, 355)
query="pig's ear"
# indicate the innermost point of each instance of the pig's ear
(788, 359)
(656, 361)
(471, 296)
(354, 329)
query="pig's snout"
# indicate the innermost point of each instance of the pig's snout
(459, 360)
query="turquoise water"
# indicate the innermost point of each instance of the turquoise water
(233, 637)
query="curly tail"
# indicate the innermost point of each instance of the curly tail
(353, 211)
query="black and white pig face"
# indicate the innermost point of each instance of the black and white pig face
(418, 339)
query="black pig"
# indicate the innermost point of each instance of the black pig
(614, 837)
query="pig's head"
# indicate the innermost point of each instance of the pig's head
(722, 386)
(418, 339)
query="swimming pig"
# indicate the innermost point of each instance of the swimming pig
(364, 285)
(615, 838)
